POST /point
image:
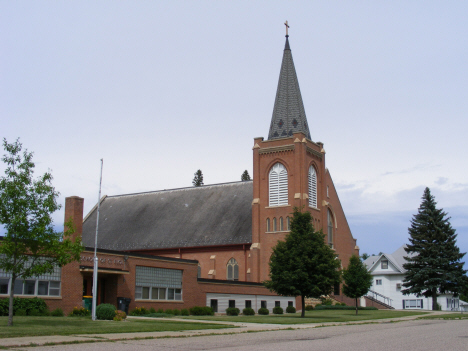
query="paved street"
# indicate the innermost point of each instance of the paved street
(416, 335)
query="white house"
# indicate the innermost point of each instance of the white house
(388, 273)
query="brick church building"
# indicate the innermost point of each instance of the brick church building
(230, 228)
(207, 245)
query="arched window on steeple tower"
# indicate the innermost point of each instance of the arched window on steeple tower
(278, 185)
(312, 187)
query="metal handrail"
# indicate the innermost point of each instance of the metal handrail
(386, 300)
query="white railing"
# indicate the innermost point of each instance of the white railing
(379, 297)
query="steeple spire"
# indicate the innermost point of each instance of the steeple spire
(288, 113)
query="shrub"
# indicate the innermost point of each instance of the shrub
(105, 311)
(277, 310)
(169, 311)
(20, 313)
(23, 304)
(201, 311)
(338, 307)
(248, 311)
(232, 311)
(34, 312)
(152, 310)
(184, 312)
(138, 311)
(263, 311)
(309, 307)
(120, 315)
(327, 301)
(160, 310)
(58, 312)
(176, 312)
(79, 312)
(290, 309)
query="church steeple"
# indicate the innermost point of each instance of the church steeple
(288, 113)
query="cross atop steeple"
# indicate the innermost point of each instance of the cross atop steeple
(287, 26)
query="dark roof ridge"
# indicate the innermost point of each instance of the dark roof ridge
(181, 189)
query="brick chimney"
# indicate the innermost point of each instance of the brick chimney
(74, 211)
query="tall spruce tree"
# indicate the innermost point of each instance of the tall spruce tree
(198, 178)
(303, 265)
(357, 280)
(245, 176)
(435, 266)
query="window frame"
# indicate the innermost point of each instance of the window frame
(278, 185)
(312, 180)
(232, 267)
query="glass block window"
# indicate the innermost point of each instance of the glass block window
(158, 283)
(158, 277)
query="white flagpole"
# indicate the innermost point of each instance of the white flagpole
(95, 269)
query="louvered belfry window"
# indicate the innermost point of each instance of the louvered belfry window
(312, 187)
(278, 182)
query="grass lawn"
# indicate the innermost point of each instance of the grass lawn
(35, 326)
(321, 316)
(447, 316)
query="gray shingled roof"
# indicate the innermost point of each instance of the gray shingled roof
(288, 113)
(197, 216)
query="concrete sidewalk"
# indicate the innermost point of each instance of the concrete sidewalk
(237, 327)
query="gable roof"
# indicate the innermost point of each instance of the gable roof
(197, 216)
(397, 259)
(288, 112)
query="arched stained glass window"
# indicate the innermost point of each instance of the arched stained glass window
(232, 270)
(268, 225)
(288, 223)
(274, 225)
(281, 224)
(278, 185)
(312, 187)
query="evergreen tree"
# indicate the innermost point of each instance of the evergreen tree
(435, 266)
(198, 178)
(364, 256)
(245, 176)
(303, 265)
(357, 280)
(30, 246)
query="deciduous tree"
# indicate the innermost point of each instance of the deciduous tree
(357, 280)
(30, 247)
(435, 266)
(303, 265)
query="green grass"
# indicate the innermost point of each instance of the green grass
(36, 326)
(320, 316)
(447, 316)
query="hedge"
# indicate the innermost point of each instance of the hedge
(336, 307)
(277, 310)
(201, 311)
(27, 307)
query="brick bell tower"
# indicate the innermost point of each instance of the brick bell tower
(288, 171)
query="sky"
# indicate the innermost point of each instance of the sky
(159, 89)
